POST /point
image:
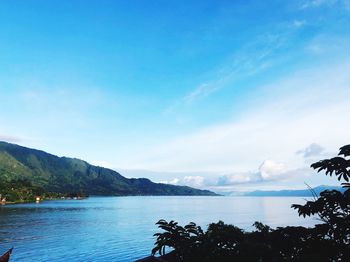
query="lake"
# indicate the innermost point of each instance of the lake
(122, 228)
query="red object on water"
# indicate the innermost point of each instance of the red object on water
(6, 257)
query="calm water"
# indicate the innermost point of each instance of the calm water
(121, 228)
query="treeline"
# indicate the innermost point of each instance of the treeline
(19, 190)
(22, 190)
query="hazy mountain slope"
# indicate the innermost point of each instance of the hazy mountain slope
(301, 192)
(70, 175)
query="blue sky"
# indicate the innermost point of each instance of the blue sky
(225, 95)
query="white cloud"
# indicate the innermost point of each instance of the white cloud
(102, 163)
(194, 181)
(271, 170)
(270, 175)
(308, 106)
(174, 181)
(286, 179)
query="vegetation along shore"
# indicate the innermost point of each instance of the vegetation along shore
(27, 175)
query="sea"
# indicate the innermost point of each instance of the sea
(122, 228)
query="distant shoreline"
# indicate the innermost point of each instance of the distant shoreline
(40, 201)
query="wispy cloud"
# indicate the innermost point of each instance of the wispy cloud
(328, 44)
(249, 60)
(264, 51)
(305, 107)
(299, 23)
(204, 90)
(317, 3)
(324, 3)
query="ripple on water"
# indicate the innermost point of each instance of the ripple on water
(122, 228)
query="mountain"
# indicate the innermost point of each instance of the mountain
(21, 165)
(301, 192)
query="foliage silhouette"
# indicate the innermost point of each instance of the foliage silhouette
(332, 206)
(328, 241)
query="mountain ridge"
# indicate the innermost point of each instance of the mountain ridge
(72, 175)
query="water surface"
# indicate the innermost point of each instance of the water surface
(122, 228)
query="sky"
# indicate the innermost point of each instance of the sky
(222, 95)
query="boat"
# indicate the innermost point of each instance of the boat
(6, 257)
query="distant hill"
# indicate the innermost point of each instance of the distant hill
(302, 192)
(70, 175)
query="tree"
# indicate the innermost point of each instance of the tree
(332, 206)
(328, 241)
(181, 239)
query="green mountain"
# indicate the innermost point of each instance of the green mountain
(30, 168)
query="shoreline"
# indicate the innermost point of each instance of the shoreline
(39, 201)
